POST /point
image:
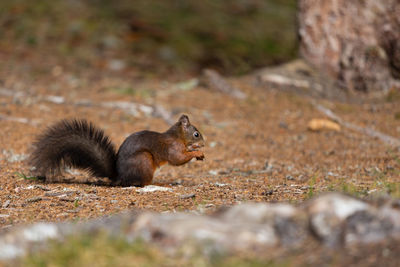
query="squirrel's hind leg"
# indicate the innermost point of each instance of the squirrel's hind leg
(137, 170)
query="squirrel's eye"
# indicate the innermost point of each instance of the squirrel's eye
(196, 134)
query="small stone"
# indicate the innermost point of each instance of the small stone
(153, 188)
(283, 125)
(289, 177)
(187, 196)
(213, 172)
(213, 144)
(113, 201)
(332, 174)
(6, 204)
(176, 182)
(55, 99)
(91, 196)
(129, 187)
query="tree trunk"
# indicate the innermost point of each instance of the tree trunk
(356, 42)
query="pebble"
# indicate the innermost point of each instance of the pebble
(177, 182)
(6, 204)
(213, 144)
(187, 196)
(213, 172)
(153, 188)
(283, 125)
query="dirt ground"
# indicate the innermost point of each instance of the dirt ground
(258, 149)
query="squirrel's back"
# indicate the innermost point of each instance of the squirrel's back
(74, 143)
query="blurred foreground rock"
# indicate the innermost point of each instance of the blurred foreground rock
(332, 219)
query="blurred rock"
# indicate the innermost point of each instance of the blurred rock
(328, 213)
(366, 227)
(333, 219)
(289, 224)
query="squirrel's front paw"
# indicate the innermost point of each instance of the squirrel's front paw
(200, 156)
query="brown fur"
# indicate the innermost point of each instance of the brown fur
(79, 144)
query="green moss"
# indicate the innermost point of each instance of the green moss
(311, 185)
(101, 250)
(140, 93)
(95, 251)
(352, 189)
(393, 95)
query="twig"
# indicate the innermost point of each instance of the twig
(215, 81)
(364, 130)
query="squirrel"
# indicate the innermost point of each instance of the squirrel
(80, 144)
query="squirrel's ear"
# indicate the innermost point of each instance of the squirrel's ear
(184, 120)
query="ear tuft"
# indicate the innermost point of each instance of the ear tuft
(184, 120)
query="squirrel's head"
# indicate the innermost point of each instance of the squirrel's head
(193, 137)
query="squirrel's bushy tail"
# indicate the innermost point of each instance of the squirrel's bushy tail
(74, 143)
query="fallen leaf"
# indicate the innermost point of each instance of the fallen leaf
(323, 124)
